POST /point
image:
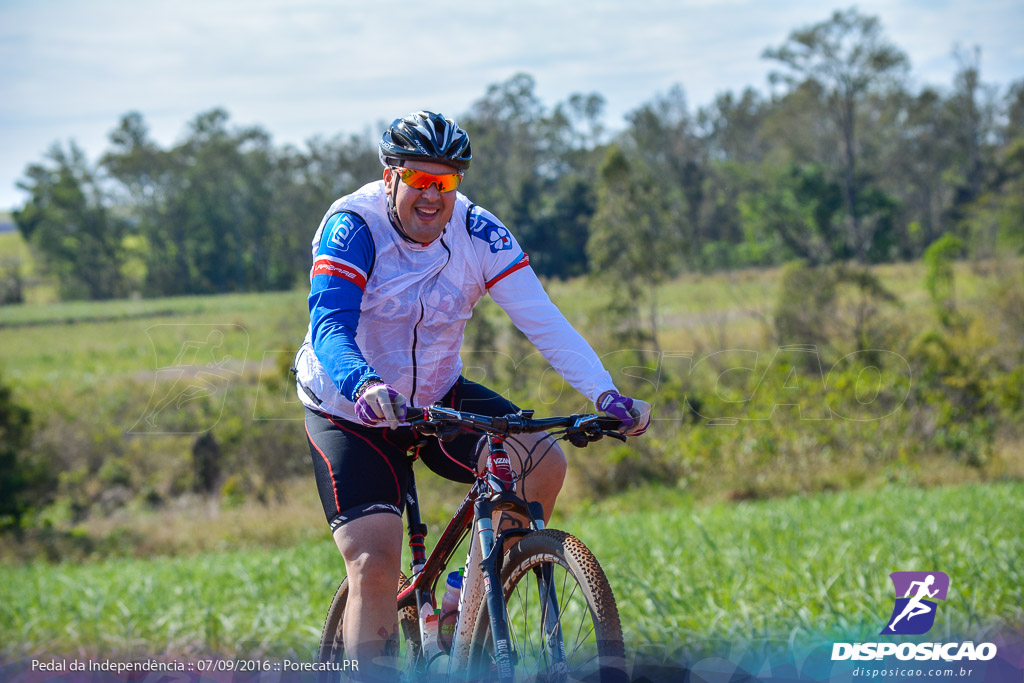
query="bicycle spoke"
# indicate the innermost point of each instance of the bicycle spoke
(524, 610)
(583, 620)
(525, 616)
(563, 598)
(565, 577)
(579, 642)
(561, 608)
(545, 605)
(539, 653)
(574, 587)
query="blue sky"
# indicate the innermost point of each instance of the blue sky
(70, 68)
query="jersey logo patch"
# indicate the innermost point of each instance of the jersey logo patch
(344, 227)
(497, 236)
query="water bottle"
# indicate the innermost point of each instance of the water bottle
(449, 611)
(431, 647)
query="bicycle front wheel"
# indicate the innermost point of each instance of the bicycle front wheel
(562, 618)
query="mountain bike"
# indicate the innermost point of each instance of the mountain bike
(535, 604)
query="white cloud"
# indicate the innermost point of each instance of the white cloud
(70, 69)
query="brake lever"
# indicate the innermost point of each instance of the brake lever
(447, 432)
(436, 428)
(582, 439)
(578, 439)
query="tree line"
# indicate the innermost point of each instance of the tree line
(842, 159)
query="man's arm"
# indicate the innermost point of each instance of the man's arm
(523, 298)
(341, 268)
(515, 287)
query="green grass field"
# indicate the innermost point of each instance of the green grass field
(255, 576)
(84, 338)
(801, 569)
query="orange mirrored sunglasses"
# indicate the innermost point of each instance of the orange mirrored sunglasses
(421, 180)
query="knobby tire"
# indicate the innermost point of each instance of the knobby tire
(589, 619)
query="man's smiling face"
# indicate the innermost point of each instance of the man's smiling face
(423, 213)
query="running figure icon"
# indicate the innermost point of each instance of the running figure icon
(915, 607)
(917, 595)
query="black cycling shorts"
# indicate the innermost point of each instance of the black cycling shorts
(365, 470)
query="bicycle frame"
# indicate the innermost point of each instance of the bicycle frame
(493, 491)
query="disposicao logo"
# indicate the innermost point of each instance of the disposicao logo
(916, 593)
(913, 615)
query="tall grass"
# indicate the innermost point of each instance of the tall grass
(815, 567)
(795, 569)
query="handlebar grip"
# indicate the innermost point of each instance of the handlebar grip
(413, 414)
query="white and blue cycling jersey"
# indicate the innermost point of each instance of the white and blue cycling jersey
(381, 306)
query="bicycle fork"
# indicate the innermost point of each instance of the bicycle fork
(493, 591)
(500, 480)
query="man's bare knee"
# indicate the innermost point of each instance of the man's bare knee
(372, 549)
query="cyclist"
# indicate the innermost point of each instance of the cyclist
(398, 266)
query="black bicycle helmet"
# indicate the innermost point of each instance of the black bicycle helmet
(425, 136)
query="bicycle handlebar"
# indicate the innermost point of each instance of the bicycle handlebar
(578, 429)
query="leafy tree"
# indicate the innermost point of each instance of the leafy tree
(506, 127)
(20, 480)
(664, 139)
(797, 206)
(995, 221)
(219, 206)
(845, 59)
(834, 307)
(939, 279)
(1014, 104)
(724, 243)
(632, 244)
(580, 118)
(306, 182)
(563, 217)
(973, 119)
(734, 127)
(11, 283)
(846, 163)
(203, 206)
(917, 157)
(69, 222)
(535, 169)
(136, 162)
